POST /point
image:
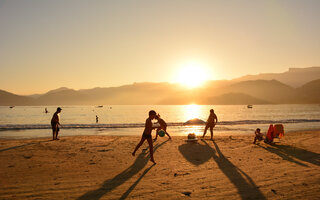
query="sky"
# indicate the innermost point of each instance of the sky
(80, 44)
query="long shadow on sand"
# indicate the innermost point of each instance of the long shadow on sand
(288, 152)
(23, 145)
(196, 153)
(247, 189)
(109, 185)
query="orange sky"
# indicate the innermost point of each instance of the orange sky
(85, 44)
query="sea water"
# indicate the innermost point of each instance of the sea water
(32, 121)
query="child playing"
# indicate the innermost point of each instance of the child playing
(258, 136)
(147, 135)
(163, 126)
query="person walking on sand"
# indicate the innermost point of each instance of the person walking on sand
(97, 119)
(163, 126)
(147, 135)
(211, 123)
(55, 123)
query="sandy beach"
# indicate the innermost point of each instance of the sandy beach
(102, 167)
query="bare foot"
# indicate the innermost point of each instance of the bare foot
(152, 160)
(133, 154)
(170, 138)
(57, 139)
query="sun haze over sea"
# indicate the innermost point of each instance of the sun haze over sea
(167, 99)
(85, 44)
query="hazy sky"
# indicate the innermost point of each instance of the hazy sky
(46, 44)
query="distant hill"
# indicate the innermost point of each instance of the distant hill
(271, 91)
(213, 92)
(310, 92)
(294, 77)
(9, 99)
(234, 99)
(62, 97)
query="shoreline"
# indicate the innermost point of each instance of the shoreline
(101, 167)
(123, 133)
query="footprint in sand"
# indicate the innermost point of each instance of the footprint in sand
(104, 150)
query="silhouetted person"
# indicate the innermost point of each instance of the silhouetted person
(163, 126)
(258, 136)
(45, 110)
(55, 123)
(97, 119)
(211, 123)
(147, 135)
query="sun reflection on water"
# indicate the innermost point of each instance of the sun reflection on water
(193, 111)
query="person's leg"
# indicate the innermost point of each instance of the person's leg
(157, 131)
(205, 130)
(165, 130)
(151, 150)
(255, 139)
(138, 146)
(57, 132)
(211, 131)
(53, 133)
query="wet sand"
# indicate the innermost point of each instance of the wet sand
(101, 167)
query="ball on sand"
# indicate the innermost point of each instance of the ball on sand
(161, 133)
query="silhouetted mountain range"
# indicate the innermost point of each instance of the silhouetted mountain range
(294, 77)
(213, 92)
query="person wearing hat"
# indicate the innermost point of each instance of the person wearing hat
(55, 123)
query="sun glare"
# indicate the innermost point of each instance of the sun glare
(192, 75)
(192, 111)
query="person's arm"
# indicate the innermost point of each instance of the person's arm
(58, 120)
(216, 118)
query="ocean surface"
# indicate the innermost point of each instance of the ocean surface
(33, 122)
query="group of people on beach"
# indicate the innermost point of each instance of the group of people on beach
(146, 135)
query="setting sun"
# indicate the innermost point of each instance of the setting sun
(192, 75)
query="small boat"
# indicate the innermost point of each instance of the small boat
(11, 107)
(249, 106)
(99, 106)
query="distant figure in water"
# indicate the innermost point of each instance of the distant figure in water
(97, 119)
(147, 135)
(45, 110)
(211, 123)
(55, 123)
(163, 126)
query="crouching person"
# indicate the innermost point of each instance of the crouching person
(258, 135)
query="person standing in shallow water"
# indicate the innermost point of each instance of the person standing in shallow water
(211, 123)
(55, 123)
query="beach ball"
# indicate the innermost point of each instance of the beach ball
(161, 133)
